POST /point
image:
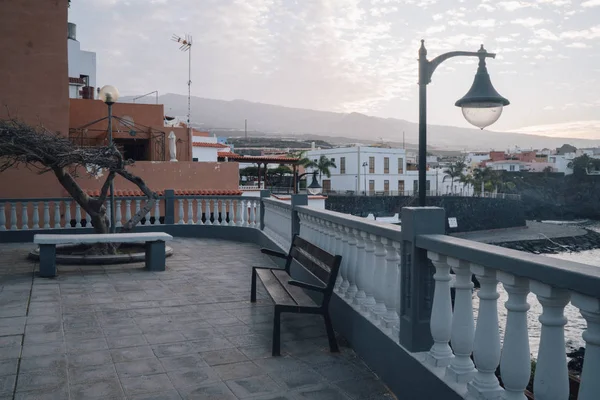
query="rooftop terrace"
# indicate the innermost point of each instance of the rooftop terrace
(119, 332)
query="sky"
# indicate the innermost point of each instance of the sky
(358, 55)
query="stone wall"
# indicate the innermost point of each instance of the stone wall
(472, 213)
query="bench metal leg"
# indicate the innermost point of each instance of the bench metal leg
(276, 332)
(47, 260)
(333, 346)
(253, 286)
(155, 256)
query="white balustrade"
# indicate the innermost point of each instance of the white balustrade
(367, 273)
(216, 212)
(240, 219)
(199, 211)
(461, 368)
(24, 215)
(590, 311)
(67, 214)
(157, 212)
(127, 210)
(355, 247)
(207, 212)
(2, 217)
(252, 205)
(379, 277)
(13, 216)
(57, 215)
(343, 249)
(118, 212)
(515, 362)
(36, 216)
(77, 215)
(180, 204)
(190, 211)
(46, 215)
(108, 213)
(486, 343)
(551, 379)
(440, 354)
(391, 284)
(231, 213)
(138, 208)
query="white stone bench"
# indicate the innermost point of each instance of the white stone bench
(154, 243)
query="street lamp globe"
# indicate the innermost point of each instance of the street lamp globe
(482, 105)
(314, 188)
(109, 94)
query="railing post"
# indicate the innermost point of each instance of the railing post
(263, 194)
(297, 200)
(417, 276)
(169, 207)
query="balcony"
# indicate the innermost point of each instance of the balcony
(190, 332)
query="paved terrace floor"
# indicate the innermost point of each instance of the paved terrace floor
(119, 332)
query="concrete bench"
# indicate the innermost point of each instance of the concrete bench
(154, 243)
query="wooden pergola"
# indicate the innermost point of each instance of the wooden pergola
(261, 160)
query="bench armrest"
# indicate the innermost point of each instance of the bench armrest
(273, 253)
(306, 285)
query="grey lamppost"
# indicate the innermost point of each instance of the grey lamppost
(364, 164)
(109, 94)
(481, 106)
(314, 188)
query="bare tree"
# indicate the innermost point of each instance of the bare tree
(40, 150)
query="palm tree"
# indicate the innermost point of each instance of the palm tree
(454, 172)
(323, 166)
(467, 180)
(481, 176)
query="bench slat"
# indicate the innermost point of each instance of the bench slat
(297, 293)
(274, 288)
(315, 251)
(318, 269)
(101, 238)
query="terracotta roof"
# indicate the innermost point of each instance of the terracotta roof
(178, 192)
(228, 154)
(215, 145)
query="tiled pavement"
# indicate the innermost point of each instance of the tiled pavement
(119, 332)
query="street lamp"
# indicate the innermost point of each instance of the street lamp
(109, 94)
(481, 106)
(314, 188)
(365, 174)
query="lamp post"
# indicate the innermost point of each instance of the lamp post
(314, 188)
(109, 95)
(365, 174)
(481, 106)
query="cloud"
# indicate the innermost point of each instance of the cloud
(591, 3)
(574, 129)
(435, 29)
(484, 23)
(545, 34)
(578, 45)
(589, 34)
(528, 22)
(514, 5)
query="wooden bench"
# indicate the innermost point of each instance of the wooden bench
(154, 243)
(288, 293)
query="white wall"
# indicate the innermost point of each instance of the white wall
(80, 63)
(206, 154)
(505, 166)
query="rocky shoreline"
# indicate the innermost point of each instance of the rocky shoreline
(589, 241)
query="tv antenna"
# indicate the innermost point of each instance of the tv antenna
(186, 45)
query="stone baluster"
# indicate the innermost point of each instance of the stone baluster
(2, 216)
(391, 288)
(461, 368)
(13, 216)
(24, 215)
(216, 212)
(181, 215)
(148, 214)
(551, 380)
(199, 211)
(440, 354)
(515, 362)
(108, 213)
(57, 215)
(190, 203)
(240, 219)
(367, 273)
(590, 311)
(337, 249)
(486, 343)
(77, 215)
(138, 207)
(314, 228)
(118, 212)
(207, 212)
(231, 213)
(157, 212)
(36, 216)
(68, 214)
(379, 281)
(88, 220)
(252, 205)
(46, 215)
(321, 238)
(127, 210)
(355, 250)
(330, 247)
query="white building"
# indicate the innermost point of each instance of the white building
(207, 148)
(474, 159)
(379, 170)
(508, 165)
(82, 67)
(561, 162)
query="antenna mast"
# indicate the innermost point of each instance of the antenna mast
(186, 45)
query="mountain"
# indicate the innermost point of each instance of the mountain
(221, 115)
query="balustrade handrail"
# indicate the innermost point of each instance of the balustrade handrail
(562, 274)
(382, 229)
(38, 199)
(278, 203)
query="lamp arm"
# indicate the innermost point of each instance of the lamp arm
(428, 67)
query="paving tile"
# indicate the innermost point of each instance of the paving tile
(139, 367)
(172, 349)
(43, 363)
(363, 388)
(225, 356)
(212, 344)
(106, 388)
(44, 349)
(86, 359)
(8, 366)
(321, 393)
(182, 362)
(169, 395)
(296, 379)
(341, 370)
(146, 384)
(190, 377)
(253, 386)
(86, 345)
(131, 353)
(7, 384)
(214, 391)
(58, 393)
(258, 352)
(116, 342)
(168, 337)
(238, 370)
(92, 373)
(41, 380)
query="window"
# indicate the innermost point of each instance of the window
(371, 165)
(386, 187)
(342, 165)
(326, 185)
(428, 186)
(371, 186)
(386, 165)
(401, 187)
(400, 165)
(512, 167)
(333, 160)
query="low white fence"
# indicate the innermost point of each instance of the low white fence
(218, 210)
(278, 221)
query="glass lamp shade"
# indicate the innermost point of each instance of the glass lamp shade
(482, 114)
(314, 188)
(109, 94)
